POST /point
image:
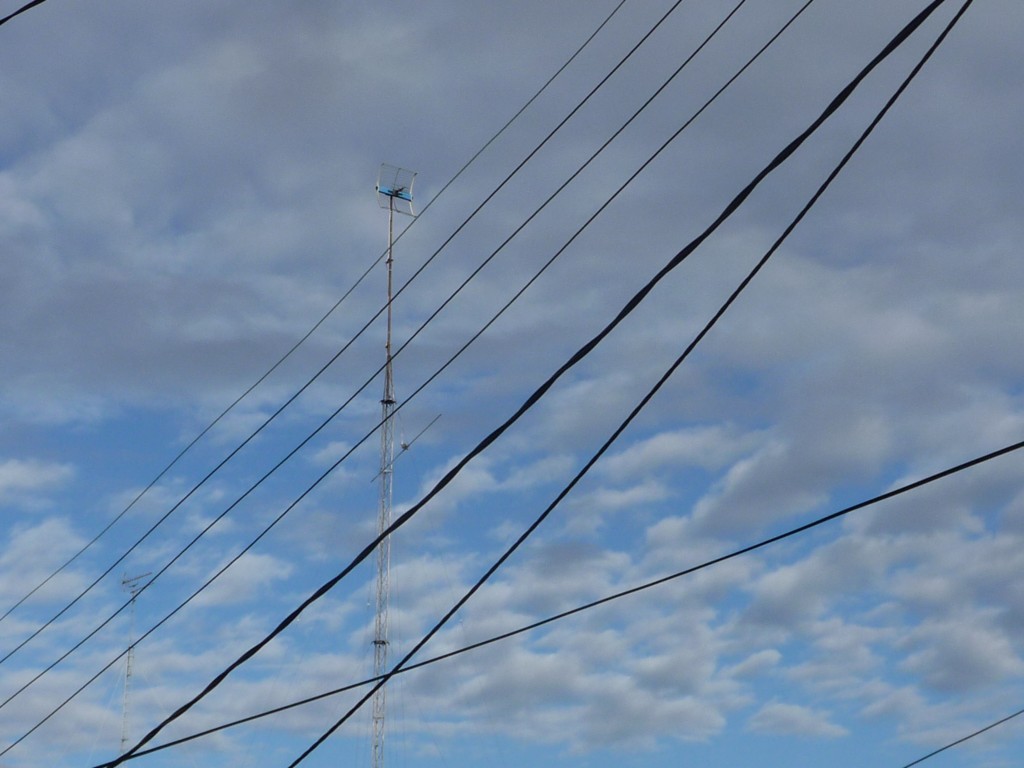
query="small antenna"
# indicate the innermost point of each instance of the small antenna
(394, 189)
(131, 584)
(406, 446)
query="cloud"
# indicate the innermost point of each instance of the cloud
(761, 487)
(962, 654)
(251, 576)
(31, 553)
(794, 720)
(188, 187)
(756, 663)
(710, 447)
(23, 481)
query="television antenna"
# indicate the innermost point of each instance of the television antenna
(394, 192)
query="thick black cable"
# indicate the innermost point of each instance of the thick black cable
(886, 496)
(968, 737)
(639, 406)
(583, 352)
(266, 530)
(21, 10)
(271, 370)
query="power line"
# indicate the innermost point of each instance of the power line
(21, 10)
(915, 762)
(645, 400)
(272, 470)
(886, 496)
(280, 409)
(315, 326)
(937, 752)
(309, 437)
(963, 739)
(262, 378)
(266, 530)
(303, 339)
(582, 353)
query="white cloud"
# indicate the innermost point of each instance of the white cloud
(794, 720)
(181, 200)
(248, 578)
(709, 447)
(757, 490)
(32, 553)
(963, 654)
(622, 498)
(26, 480)
(756, 663)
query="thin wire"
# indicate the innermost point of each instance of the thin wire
(292, 453)
(285, 512)
(643, 402)
(522, 109)
(968, 737)
(888, 495)
(276, 365)
(541, 391)
(175, 460)
(309, 437)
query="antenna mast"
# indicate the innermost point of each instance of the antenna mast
(394, 192)
(130, 584)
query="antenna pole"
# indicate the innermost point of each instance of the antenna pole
(132, 586)
(387, 448)
(393, 184)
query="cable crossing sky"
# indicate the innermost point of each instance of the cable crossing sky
(581, 353)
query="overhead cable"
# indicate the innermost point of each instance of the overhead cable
(266, 530)
(886, 496)
(639, 406)
(211, 523)
(259, 381)
(21, 10)
(581, 354)
(419, 389)
(966, 738)
(310, 332)
(302, 340)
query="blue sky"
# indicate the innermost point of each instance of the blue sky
(187, 188)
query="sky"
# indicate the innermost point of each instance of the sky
(187, 190)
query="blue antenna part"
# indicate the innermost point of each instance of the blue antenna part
(395, 184)
(401, 193)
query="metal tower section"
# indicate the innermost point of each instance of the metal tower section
(131, 584)
(394, 192)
